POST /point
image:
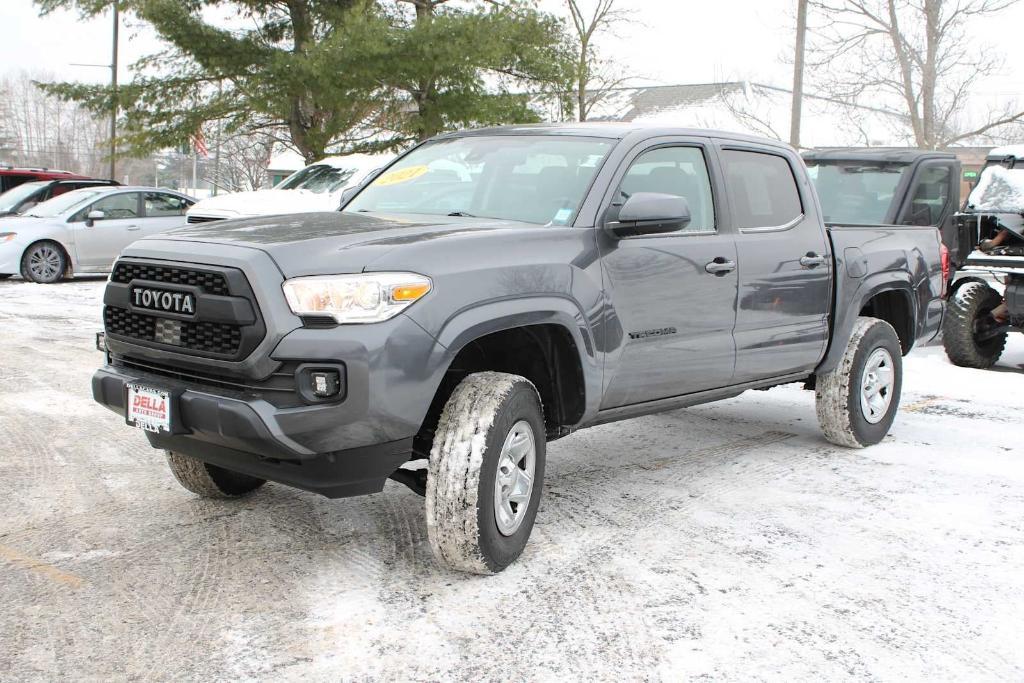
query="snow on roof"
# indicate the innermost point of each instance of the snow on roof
(1006, 151)
(754, 108)
(1000, 190)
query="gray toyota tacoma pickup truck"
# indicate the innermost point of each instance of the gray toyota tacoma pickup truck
(491, 291)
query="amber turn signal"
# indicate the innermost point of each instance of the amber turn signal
(409, 292)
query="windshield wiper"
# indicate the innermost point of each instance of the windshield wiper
(462, 214)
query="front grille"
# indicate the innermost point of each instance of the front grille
(226, 324)
(207, 337)
(203, 219)
(211, 283)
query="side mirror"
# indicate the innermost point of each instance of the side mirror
(650, 213)
(93, 216)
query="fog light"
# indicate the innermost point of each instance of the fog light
(101, 342)
(326, 383)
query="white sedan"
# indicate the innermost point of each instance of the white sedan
(83, 231)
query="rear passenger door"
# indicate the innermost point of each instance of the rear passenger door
(785, 264)
(676, 312)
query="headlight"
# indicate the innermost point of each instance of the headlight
(363, 298)
(7, 236)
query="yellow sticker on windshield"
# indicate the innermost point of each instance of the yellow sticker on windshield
(403, 175)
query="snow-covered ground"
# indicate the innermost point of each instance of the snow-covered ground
(728, 541)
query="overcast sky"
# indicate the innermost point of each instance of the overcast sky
(676, 41)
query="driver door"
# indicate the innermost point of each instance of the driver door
(97, 245)
(673, 293)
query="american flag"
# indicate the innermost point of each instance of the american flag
(199, 144)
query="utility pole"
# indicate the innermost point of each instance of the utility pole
(798, 74)
(113, 95)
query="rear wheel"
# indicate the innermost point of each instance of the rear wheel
(210, 481)
(485, 473)
(857, 402)
(44, 262)
(967, 332)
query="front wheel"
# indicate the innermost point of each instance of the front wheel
(968, 330)
(485, 473)
(857, 402)
(210, 481)
(44, 262)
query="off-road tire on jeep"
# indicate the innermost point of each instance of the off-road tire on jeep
(841, 394)
(44, 262)
(485, 413)
(210, 481)
(972, 302)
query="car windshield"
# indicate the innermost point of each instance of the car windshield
(318, 178)
(10, 200)
(63, 203)
(855, 192)
(538, 179)
(999, 190)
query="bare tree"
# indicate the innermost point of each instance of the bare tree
(38, 129)
(594, 76)
(913, 56)
(244, 161)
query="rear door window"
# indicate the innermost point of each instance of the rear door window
(762, 189)
(162, 204)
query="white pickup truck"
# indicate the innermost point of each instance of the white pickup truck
(317, 187)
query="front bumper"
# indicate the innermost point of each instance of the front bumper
(252, 437)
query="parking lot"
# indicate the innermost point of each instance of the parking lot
(728, 541)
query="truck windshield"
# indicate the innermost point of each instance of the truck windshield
(317, 178)
(855, 192)
(10, 200)
(539, 179)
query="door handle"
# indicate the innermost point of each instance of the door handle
(811, 260)
(720, 266)
(131, 227)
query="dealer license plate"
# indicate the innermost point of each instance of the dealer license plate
(149, 408)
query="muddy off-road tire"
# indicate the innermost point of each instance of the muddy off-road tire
(857, 401)
(44, 262)
(485, 473)
(970, 306)
(210, 481)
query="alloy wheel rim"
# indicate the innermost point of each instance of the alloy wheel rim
(44, 263)
(513, 482)
(876, 386)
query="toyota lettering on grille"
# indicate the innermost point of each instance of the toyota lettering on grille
(183, 303)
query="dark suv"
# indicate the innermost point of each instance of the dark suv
(23, 197)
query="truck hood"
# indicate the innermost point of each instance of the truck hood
(265, 203)
(328, 242)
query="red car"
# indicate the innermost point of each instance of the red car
(12, 177)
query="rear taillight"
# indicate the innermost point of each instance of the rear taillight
(944, 257)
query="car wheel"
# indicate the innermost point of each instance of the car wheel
(210, 481)
(857, 402)
(966, 331)
(44, 262)
(485, 473)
